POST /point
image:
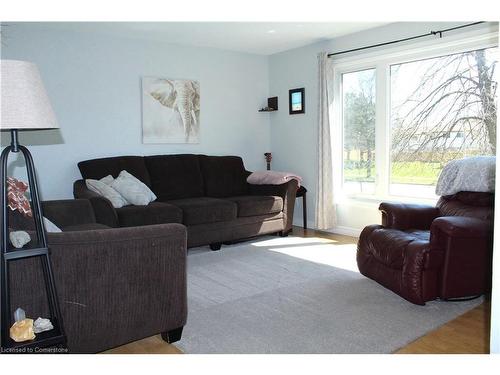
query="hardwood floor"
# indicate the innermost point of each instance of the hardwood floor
(150, 345)
(467, 334)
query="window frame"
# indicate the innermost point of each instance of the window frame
(381, 61)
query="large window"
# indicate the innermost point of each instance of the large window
(402, 121)
(359, 131)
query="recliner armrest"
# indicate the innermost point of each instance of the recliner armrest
(467, 245)
(104, 211)
(462, 227)
(407, 216)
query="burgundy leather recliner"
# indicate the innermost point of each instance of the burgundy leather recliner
(423, 252)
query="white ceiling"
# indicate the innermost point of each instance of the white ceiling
(264, 38)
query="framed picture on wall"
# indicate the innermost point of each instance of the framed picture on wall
(296, 101)
(170, 110)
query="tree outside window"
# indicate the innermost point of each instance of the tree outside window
(439, 109)
(442, 109)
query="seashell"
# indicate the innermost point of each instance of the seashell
(42, 325)
(19, 238)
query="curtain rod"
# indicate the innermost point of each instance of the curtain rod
(438, 32)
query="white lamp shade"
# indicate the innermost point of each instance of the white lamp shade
(24, 102)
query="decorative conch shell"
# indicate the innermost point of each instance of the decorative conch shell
(22, 330)
(19, 238)
(42, 325)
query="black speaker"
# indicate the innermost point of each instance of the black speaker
(272, 102)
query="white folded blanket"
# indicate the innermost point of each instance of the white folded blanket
(468, 174)
(272, 178)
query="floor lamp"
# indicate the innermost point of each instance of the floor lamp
(25, 105)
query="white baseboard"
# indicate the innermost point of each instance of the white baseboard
(346, 231)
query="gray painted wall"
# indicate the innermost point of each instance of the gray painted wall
(94, 84)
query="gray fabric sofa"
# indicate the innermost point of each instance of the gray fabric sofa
(115, 285)
(208, 194)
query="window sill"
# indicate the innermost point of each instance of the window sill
(372, 200)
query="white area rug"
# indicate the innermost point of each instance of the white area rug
(298, 295)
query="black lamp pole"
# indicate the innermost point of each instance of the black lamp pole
(8, 254)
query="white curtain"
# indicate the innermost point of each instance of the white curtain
(325, 208)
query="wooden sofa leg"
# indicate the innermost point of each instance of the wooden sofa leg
(215, 246)
(172, 336)
(283, 233)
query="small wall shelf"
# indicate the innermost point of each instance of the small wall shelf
(272, 105)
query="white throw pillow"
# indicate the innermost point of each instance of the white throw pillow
(107, 180)
(133, 190)
(102, 187)
(50, 227)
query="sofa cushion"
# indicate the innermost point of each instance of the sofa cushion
(474, 198)
(153, 213)
(224, 176)
(389, 245)
(470, 204)
(175, 176)
(99, 168)
(102, 188)
(205, 210)
(132, 190)
(50, 227)
(254, 205)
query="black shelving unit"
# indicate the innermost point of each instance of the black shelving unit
(55, 337)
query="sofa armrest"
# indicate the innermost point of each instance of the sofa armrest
(116, 235)
(104, 211)
(120, 284)
(407, 216)
(66, 212)
(462, 227)
(286, 191)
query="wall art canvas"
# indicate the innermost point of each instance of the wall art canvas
(296, 100)
(170, 110)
